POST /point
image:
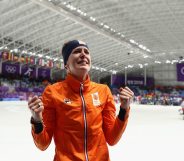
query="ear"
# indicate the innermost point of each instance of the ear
(66, 66)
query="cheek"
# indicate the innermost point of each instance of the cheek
(72, 65)
(89, 58)
(71, 62)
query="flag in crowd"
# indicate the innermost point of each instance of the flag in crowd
(27, 59)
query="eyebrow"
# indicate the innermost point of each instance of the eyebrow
(80, 48)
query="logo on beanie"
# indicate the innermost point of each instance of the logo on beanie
(81, 42)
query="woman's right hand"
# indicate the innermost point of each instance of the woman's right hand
(36, 106)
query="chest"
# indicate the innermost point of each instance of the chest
(71, 108)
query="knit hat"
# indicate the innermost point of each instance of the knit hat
(68, 48)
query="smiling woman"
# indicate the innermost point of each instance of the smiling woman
(79, 114)
(77, 59)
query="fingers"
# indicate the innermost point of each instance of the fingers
(38, 107)
(33, 99)
(35, 104)
(126, 97)
(126, 93)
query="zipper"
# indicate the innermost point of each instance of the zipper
(85, 122)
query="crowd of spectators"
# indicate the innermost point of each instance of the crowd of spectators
(22, 89)
(156, 96)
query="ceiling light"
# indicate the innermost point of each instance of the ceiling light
(105, 26)
(24, 51)
(174, 61)
(132, 41)
(92, 18)
(40, 55)
(141, 46)
(168, 61)
(97, 68)
(114, 71)
(15, 50)
(145, 56)
(48, 57)
(148, 50)
(79, 11)
(55, 59)
(157, 62)
(140, 65)
(130, 66)
(84, 14)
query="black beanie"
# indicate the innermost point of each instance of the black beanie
(68, 48)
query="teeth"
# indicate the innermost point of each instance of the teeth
(82, 62)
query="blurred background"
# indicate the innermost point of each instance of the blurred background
(138, 44)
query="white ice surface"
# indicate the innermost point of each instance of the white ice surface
(154, 133)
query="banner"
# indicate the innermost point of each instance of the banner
(5, 55)
(41, 62)
(22, 59)
(10, 56)
(44, 73)
(118, 80)
(180, 72)
(28, 71)
(16, 58)
(32, 60)
(10, 69)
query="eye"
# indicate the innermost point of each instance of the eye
(86, 51)
(76, 51)
(80, 50)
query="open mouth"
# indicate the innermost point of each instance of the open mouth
(83, 62)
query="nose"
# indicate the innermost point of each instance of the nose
(83, 53)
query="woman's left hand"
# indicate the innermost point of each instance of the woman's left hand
(126, 97)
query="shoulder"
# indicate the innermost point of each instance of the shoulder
(99, 85)
(55, 86)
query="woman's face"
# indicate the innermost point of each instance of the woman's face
(79, 62)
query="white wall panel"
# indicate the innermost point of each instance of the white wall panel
(165, 75)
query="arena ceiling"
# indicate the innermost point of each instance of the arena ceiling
(122, 34)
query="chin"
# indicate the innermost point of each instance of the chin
(84, 68)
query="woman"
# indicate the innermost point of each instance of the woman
(77, 113)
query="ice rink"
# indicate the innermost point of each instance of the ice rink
(154, 133)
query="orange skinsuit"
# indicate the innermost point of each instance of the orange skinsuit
(81, 119)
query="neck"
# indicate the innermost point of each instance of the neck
(80, 78)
